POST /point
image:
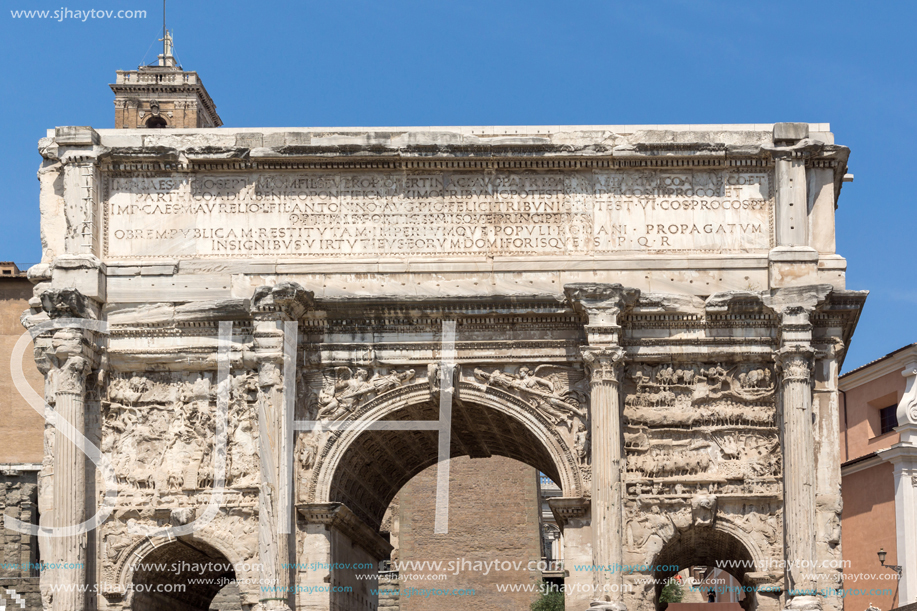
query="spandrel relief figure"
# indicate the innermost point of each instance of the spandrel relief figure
(703, 509)
(762, 524)
(345, 389)
(560, 392)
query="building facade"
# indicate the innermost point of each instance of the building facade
(21, 448)
(879, 477)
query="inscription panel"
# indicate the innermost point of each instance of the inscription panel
(437, 214)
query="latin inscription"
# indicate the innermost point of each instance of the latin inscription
(370, 215)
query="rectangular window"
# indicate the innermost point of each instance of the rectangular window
(888, 419)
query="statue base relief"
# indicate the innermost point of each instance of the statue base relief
(804, 603)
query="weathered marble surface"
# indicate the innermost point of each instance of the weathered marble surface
(429, 211)
(421, 215)
(645, 314)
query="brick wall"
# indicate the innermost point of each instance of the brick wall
(493, 515)
(22, 430)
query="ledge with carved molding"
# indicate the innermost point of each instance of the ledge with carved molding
(340, 517)
(566, 509)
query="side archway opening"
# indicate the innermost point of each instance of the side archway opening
(182, 575)
(713, 549)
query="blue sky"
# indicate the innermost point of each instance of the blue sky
(493, 63)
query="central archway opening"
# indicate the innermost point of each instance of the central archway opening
(184, 575)
(377, 464)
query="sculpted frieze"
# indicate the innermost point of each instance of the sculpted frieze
(561, 393)
(701, 423)
(343, 389)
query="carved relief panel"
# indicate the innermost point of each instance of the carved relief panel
(701, 452)
(160, 431)
(700, 424)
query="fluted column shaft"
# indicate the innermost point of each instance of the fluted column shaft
(69, 481)
(605, 367)
(798, 465)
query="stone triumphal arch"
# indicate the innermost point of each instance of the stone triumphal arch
(288, 325)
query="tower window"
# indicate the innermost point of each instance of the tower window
(888, 419)
(156, 121)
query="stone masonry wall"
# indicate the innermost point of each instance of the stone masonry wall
(18, 566)
(493, 515)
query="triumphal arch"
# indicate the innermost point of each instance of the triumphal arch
(265, 333)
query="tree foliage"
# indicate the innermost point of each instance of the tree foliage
(548, 599)
(672, 592)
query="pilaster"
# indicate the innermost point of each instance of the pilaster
(79, 154)
(573, 517)
(273, 308)
(903, 456)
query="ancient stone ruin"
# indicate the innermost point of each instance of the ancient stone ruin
(268, 332)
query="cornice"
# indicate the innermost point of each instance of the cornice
(891, 363)
(149, 162)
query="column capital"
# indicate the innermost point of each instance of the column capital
(603, 363)
(271, 306)
(794, 306)
(795, 362)
(791, 304)
(601, 302)
(71, 379)
(907, 407)
(567, 509)
(68, 303)
(338, 516)
(69, 349)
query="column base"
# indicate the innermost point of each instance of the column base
(803, 603)
(272, 605)
(606, 605)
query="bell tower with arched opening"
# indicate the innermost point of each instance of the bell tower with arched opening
(163, 95)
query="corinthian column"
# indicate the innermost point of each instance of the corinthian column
(603, 357)
(69, 487)
(69, 357)
(795, 363)
(604, 366)
(275, 310)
